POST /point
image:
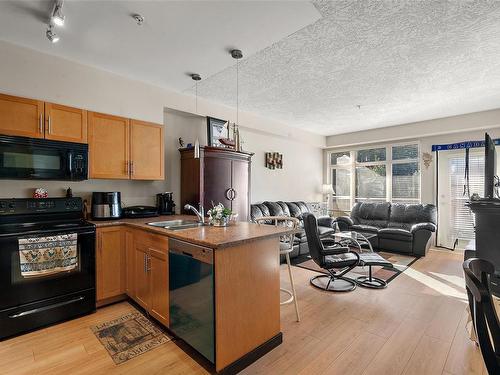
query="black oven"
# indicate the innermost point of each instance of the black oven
(42, 159)
(58, 282)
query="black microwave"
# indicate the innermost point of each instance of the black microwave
(42, 159)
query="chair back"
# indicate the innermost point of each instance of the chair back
(281, 221)
(486, 323)
(313, 240)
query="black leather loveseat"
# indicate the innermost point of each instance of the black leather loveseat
(402, 228)
(293, 209)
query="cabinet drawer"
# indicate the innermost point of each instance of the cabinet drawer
(154, 241)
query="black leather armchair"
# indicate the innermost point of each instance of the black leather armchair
(332, 257)
(326, 225)
(403, 228)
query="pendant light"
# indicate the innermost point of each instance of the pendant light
(237, 55)
(196, 77)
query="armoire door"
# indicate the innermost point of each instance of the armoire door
(240, 189)
(217, 181)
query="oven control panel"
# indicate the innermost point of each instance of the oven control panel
(19, 206)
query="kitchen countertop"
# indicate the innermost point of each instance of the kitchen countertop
(209, 236)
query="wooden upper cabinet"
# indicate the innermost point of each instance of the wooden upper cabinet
(21, 117)
(108, 146)
(147, 153)
(65, 123)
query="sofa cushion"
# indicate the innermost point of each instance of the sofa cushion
(371, 213)
(322, 231)
(365, 228)
(294, 209)
(395, 234)
(259, 210)
(275, 209)
(284, 207)
(413, 213)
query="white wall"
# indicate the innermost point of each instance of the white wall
(32, 74)
(300, 178)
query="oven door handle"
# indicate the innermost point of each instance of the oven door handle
(45, 308)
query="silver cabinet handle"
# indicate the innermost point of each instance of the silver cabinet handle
(228, 194)
(40, 124)
(233, 195)
(145, 263)
(131, 167)
(127, 166)
(148, 263)
(50, 125)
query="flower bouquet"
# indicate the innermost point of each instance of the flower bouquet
(219, 216)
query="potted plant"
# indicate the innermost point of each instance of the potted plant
(219, 216)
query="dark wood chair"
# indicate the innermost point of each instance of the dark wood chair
(477, 273)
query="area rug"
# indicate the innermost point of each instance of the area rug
(129, 336)
(400, 264)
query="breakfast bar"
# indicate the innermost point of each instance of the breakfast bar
(210, 286)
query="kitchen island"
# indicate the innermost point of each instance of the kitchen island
(238, 309)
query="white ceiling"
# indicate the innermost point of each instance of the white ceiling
(177, 37)
(307, 65)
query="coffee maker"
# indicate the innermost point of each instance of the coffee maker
(165, 203)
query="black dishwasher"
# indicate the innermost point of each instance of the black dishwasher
(191, 284)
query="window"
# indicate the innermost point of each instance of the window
(388, 173)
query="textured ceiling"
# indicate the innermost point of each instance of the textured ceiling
(403, 61)
(177, 37)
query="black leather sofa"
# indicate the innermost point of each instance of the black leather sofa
(326, 225)
(401, 228)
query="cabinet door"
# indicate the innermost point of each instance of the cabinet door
(110, 263)
(141, 279)
(20, 116)
(240, 184)
(146, 151)
(129, 262)
(108, 146)
(217, 181)
(158, 268)
(65, 123)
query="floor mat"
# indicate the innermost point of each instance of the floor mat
(129, 336)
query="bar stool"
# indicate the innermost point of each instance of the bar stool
(286, 247)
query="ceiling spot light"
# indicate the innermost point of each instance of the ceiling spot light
(57, 17)
(51, 35)
(138, 19)
(196, 77)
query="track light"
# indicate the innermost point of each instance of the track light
(51, 35)
(57, 17)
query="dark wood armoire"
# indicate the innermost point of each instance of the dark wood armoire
(218, 175)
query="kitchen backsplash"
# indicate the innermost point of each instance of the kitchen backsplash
(132, 192)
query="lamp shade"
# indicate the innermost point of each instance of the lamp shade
(327, 189)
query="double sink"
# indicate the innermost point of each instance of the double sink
(176, 224)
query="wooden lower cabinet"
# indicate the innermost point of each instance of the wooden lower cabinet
(158, 268)
(110, 263)
(151, 274)
(142, 294)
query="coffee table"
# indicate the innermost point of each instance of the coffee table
(355, 238)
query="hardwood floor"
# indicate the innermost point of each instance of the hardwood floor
(415, 326)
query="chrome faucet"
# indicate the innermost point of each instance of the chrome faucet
(200, 214)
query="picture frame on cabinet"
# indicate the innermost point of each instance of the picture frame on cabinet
(216, 129)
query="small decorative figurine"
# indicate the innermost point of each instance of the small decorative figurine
(181, 143)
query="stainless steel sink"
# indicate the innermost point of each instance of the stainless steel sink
(176, 224)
